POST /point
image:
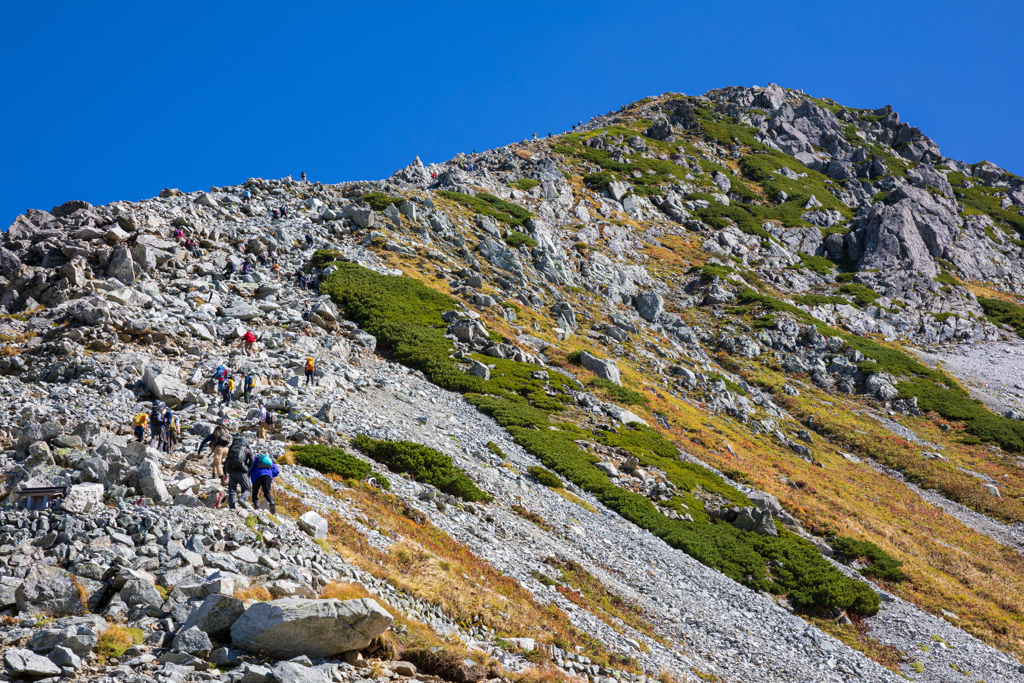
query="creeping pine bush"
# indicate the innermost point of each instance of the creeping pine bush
(545, 477)
(862, 295)
(804, 574)
(525, 184)
(620, 394)
(334, 461)
(379, 201)
(322, 256)
(424, 464)
(818, 299)
(405, 316)
(516, 239)
(489, 205)
(1004, 313)
(882, 565)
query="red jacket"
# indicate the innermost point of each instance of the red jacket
(249, 337)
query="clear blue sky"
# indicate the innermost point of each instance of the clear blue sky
(115, 100)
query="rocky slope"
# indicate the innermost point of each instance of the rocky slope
(699, 358)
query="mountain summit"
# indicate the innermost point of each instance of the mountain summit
(707, 388)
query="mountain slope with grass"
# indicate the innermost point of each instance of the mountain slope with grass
(691, 391)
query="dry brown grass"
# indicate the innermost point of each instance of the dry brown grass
(83, 595)
(425, 562)
(347, 590)
(257, 593)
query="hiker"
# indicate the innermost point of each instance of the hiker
(262, 474)
(309, 240)
(246, 196)
(139, 423)
(264, 418)
(220, 374)
(247, 386)
(247, 267)
(284, 212)
(229, 271)
(226, 388)
(237, 463)
(172, 424)
(156, 424)
(263, 259)
(276, 270)
(219, 440)
(310, 371)
(306, 310)
(275, 214)
(249, 343)
(303, 176)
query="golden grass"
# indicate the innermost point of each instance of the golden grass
(347, 590)
(425, 562)
(572, 498)
(257, 593)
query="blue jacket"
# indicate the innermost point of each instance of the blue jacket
(255, 472)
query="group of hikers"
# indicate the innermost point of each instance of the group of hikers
(235, 464)
(190, 244)
(240, 468)
(224, 384)
(230, 268)
(164, 426)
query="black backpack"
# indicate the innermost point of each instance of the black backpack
(235, 461)
(221, 436)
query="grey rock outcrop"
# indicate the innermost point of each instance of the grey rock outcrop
(317, 628)
(605, 368)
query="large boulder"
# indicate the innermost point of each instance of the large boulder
(123, 267)
(8, 591)
(9, 262)
(50, 590)
(216, 615)
(313, 524)
(290, 627)
(164, 385)
(194, 641)
(604, 368)
(152, 482)
(83, 498)
(649, 305)
(140, 593)
(27, 665)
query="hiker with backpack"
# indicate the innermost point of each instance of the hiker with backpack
(310, 371)
(249, 343)
(156, 424)
(248, 384)
(237, 463)
(265, 418)
(172, 426)
(262, 474)
(220, 374)
(226, 388)
(219, 440)
(139, 424)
